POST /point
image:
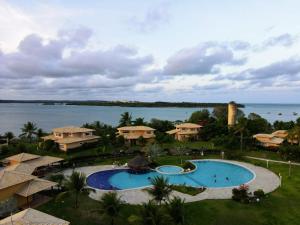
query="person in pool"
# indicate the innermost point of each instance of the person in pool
(227, 178)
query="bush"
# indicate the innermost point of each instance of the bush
(240, 194)
(259, 193)
(234, 155)
(188, 165)
(4, 150)
(290, 152)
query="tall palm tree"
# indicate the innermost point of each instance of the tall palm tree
(75, 185)
(294, 135)
(9, 135)
(151, 214)
(111, 206)
(161, 189)
(28, 130)
(175, 208)
(241, 128)
(125, 120)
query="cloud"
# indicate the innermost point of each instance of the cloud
(285, 40)
(202, 59)
(36, 56)
(152, 19)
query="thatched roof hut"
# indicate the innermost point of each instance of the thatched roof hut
(139, 163)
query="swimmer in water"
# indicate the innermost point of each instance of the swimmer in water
(227, 178)
(215, 181)
(215, 175)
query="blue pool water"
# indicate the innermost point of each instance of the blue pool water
(168, 169)
(209, 173)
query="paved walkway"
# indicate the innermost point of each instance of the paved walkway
(265, 179)
(271, 160)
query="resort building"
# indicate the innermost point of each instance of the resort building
(185, 131)
(18, 187)
(72, 137)
(19, 190)
(273, 140)
(30, 217)
(30, 163)
(132, 133)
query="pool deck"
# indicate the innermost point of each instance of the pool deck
(265, 179)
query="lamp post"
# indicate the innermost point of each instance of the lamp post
(290, 167)
(222, 154)
(267, 163)
(280, 179)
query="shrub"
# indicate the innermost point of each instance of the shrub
(240, 194)
(233, 155)
(290, 152)
(188, 165)
(259, 193)
(4, 150)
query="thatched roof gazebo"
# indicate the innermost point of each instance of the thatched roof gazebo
(139, 164)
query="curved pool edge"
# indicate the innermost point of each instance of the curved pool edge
(237, 163)
(171, 173)
(265, 179)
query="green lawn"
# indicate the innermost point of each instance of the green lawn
(279, 207)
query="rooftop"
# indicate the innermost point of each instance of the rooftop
(141, 128)
(22, 157)
(72, 129)
(76, 139)
(32, 217)
(11, 178)
(188, 125)
(35, 186)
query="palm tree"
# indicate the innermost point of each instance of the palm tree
(28, 130)
(139, 122)
(175, 208)
(151, 214)
(125, 120)
(160, 190)
(9, 135)
(111, 206)
(76, 185)
(294, 135)
(40, 133)
(241, 128)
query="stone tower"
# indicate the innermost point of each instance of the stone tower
(232, 111)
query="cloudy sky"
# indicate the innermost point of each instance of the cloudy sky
(194, 50)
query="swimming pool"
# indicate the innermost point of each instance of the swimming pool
(208, 173)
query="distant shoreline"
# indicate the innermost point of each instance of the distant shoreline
(123, 104)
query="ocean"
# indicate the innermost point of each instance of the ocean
(14, 115)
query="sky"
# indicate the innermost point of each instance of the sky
(160, 50)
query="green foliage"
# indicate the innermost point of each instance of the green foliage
(188, 165)
(75, 184)
(139, 122)
(125, 120)
(282, 125)
(29, 130)
(202, 115)
(259, 193)
(227, 141)
(154, 151)
(290, 152)
(111, 205)
(187, 189)
(59, 179)
(141, 141)
(176, 210)
(160, 190)
(234, 155)
(151, 214)
(240, 194)
(161, 125)
(49, 145)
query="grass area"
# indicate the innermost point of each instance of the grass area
(187, 189)
(194, 144)
(278, 208)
